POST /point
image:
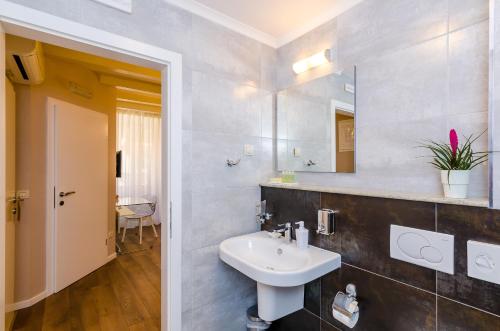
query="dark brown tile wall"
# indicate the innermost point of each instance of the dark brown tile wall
(296, 205)
(363, 223)
(468, 223)
(302, 320)
(384, 304)
(393, 295)
(455, 316)
(325, 326)
(312, 295)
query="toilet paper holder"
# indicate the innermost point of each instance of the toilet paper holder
(345, 306)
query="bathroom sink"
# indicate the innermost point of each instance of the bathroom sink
(274, 261)
(279, 268)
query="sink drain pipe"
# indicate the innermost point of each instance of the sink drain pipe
(254, 322)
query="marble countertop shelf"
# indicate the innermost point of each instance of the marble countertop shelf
(473, 202)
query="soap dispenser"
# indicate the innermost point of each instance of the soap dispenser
(302, 236)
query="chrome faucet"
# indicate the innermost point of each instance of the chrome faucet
(286, 229)
(262, 215)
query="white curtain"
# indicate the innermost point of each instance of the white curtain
(139, 139)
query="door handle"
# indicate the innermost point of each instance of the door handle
(16, 208)
(65, 194)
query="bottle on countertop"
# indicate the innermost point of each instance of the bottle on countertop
(302, 236)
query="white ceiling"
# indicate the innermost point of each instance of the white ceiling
(274, 22)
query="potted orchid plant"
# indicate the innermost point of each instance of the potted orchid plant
(455, 163)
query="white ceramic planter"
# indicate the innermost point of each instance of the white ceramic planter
(455, 183)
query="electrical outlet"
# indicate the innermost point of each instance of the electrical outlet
(349, 88)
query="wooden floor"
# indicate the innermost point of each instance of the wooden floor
(122, 295)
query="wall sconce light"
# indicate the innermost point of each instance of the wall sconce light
(313, 61)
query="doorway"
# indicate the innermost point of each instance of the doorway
(26, 22)
(67, 109)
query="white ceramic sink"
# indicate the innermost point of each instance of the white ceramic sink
(279, 268)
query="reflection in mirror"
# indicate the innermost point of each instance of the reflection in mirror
(316, 125)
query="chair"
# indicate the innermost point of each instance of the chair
(141, 217)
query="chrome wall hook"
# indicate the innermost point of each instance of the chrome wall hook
(310, 163)
(232, 163)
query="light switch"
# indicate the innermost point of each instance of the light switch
(249, 150)
(296, 152)
(483, 261)
(428, 249)
(349, 88)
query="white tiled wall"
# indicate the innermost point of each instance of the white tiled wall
(495, 104)
(422, 69)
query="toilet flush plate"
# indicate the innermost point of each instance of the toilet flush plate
(428, 249)
(483, 261)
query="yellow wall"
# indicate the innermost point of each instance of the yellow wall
(31, 162)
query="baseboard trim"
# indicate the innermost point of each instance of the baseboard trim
(26, 303)
(111, 257)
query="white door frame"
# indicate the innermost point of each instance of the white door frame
(30, 23)
(343, 107)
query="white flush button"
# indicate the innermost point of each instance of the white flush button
(411, 244)
(428, 249)
(483, 261)
(431, 254)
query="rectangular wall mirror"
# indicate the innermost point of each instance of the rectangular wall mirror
(316, 124)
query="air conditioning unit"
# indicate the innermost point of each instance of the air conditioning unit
(24, 60)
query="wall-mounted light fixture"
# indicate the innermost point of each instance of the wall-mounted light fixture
(313, 61)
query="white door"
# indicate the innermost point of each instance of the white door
(80, 150)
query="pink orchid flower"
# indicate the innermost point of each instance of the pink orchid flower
(453, 142)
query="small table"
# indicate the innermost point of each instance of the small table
(123, 210)
(130, 201)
